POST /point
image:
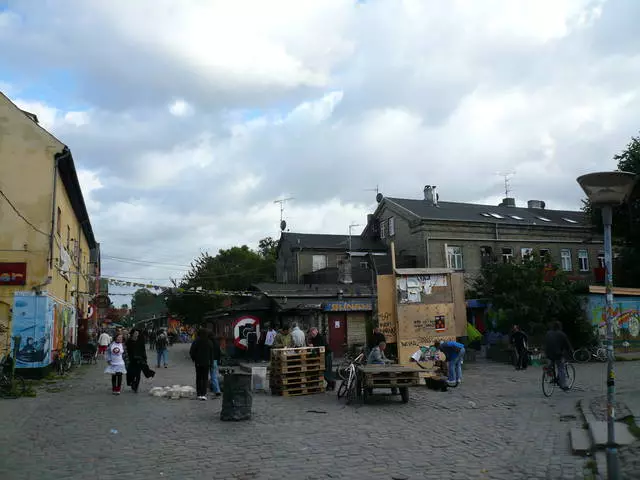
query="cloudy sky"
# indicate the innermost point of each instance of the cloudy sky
(188, 118)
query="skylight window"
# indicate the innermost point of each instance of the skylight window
(569, 220)
(516, 217)
(495, 215)
(485, 214)
(544, 219)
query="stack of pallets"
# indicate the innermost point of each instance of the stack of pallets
(297, 371)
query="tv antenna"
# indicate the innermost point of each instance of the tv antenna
(282, 202)
(507, 176)
(377, 190)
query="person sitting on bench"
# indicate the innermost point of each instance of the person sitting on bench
(377, 357)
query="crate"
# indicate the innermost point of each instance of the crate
(297, 354)
(297, 379)
(296, 369)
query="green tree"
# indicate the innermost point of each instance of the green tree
(235, 269)
(145, 304)
(533, 294)
(626, 221)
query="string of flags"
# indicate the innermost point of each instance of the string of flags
(173, 289)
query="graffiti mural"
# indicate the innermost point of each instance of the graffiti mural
(625, 314)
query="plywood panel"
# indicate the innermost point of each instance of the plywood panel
(387, 306)
(460, 309)
(356, 328)
(421, 325)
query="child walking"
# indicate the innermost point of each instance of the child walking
(115, 361)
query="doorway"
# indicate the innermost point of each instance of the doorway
(337, 334)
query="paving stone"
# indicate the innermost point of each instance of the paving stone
(599, 430)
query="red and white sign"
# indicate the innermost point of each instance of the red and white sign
(13, 273)
(241, 327)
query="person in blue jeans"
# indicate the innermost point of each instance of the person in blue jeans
(162, 346)
(215, 385)
(454, 351)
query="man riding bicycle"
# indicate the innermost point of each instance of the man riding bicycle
(557, 347)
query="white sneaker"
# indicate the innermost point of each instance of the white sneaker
(202, 398)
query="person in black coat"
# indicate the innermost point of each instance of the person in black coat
(201, 352)
(519, 340)
(136, 354)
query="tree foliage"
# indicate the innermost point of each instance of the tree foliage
(235, 269)
(532, 294)
(626, 221)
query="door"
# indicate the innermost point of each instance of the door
(337, 334)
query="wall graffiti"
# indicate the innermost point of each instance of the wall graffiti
(625, 314)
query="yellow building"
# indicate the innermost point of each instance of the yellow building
(48, 253)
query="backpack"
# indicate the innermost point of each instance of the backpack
(162, 342)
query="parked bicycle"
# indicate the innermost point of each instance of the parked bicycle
(10, 383)
(63, 361)
(349, 386)
(342, 371)
(585, 354)
(550, 377)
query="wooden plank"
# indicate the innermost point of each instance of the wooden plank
(292, 362)
(289, 383)
(387, 320)
(459, 304)
(298, 391)
(392, 383)
(386, 368)
(284, 352)
(296, 368)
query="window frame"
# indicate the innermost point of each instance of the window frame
(583, 254)
(565, 253)
(544, 252)
(455, 256)
(526, 253)
(506, 257)
(392, 226)
(313, 261)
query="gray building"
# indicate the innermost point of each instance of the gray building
(323, 258)
(463, 236)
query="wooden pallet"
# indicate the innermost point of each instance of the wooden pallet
(295, 369)
(275, 364)
(284, 381)
(294, 392)
(287, 354)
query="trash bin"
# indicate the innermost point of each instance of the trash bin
(237, 399)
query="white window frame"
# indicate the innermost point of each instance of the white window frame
(506, 257)
(526, 253)
(364, 265)
(392, 226)
(601, 263)
(383, 232)
(455, 257)
(314, 263)
(565, 260)
(583, 260)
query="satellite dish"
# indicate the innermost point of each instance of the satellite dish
(283, 225)
(379, 197)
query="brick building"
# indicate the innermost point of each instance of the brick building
(463, 236)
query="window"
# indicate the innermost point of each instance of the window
(392, 226)
(526, 253)
(495, 215)
(545, 254)
(319, 262)
(583, 260)
(507, 255)
(364, 265)
(569, 220)
(486, 255)
(382, 229)
(516, 217)
(68, 236)
(454, 257)
(601, 260)
(565, 259)
(544, 219)
(59, 222)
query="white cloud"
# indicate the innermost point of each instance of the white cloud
(200, 114)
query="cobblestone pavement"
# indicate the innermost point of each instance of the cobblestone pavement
(496, 425)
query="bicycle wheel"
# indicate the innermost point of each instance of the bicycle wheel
(582, 355)
(352, 391)
(601, 354)
(343, 369)
(342, 389)
(548, 383)
(571, 375)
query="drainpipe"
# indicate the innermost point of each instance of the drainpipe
(57, 157)
(497, 236)
(427, 253)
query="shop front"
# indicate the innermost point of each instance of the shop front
(347, 320)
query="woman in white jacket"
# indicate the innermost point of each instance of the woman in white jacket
(115, 363)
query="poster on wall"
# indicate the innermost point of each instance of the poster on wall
(242, 327)
(32, 329)
(413, 288)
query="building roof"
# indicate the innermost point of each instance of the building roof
(321, 241)
(297, 290)
(471, 212)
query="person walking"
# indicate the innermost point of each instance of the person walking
(268, 342)
(216, 355)
(137, 360)
(103, 342)
(519, 341)
(201, 352)
(454, 351)
(252, 343)
(115, 363)
(162, 349)
(557, 348)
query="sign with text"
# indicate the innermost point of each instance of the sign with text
(13, 274)
(348, 306)
(387, 307)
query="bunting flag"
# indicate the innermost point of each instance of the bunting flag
(121, 283)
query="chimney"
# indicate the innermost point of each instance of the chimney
(430, 195)
(508, 202)
(536, 204)
(369, 218)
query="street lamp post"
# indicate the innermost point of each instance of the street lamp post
(605, 190)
